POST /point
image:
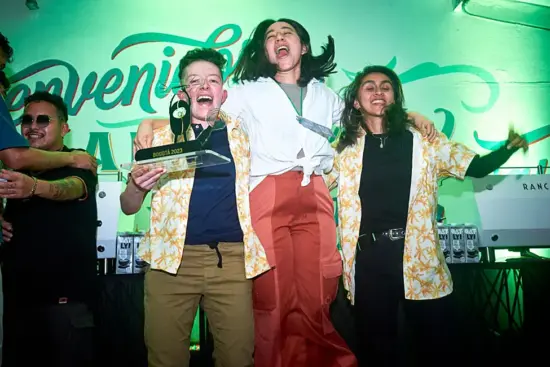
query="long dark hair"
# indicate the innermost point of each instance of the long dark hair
(253, 63)
(396, 119)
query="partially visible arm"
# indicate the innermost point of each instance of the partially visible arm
(81, 184)
(157, 124)
(34, 159)
(16, 154)
(132, 198)
(331, 177)
(154, 123)
(452, 158)
(70, 188)
(482, 166)
(424, 125)
(144, 135)
(235, 107)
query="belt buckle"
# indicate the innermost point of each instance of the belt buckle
(391, 235)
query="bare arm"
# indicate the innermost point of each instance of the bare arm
(132, 198)
(37, 160)
(140, 181)
(70, 188)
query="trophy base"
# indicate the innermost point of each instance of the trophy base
(181, 162)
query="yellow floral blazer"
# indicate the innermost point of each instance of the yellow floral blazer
(162, 246)
(425, 271)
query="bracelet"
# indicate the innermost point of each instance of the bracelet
(35, 183)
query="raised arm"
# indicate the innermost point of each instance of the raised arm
(31, 159)
(144, 136)
(482, 166)
(457, 160)
(16, 154)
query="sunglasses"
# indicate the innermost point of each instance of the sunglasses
(41, 120)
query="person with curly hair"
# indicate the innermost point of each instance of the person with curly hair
(387, 196)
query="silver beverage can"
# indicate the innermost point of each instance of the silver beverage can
(458, 246)
(124, 253)
(471, 240)
(140, 266)
(444, 241)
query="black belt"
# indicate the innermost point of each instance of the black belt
(392, 234)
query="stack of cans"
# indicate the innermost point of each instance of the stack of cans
(459, 243)
(127, 259)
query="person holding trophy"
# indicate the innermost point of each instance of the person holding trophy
(288, 112)
(200, 246)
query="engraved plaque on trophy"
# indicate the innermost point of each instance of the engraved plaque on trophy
(186, 154)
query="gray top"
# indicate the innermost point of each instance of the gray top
(296, 94)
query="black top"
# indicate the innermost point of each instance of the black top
(386, 181)
(53, 250)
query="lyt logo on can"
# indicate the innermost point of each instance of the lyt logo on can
(444, 241)
(471, 244)
(458, 246)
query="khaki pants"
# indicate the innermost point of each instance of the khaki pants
(171, 303)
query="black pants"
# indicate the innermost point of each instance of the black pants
(59, 335)
(379, 298)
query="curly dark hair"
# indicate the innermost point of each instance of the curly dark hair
(54, 99)
(396, 119)
(4, 81)
(253, 63)
(202, 54)
(5, 47)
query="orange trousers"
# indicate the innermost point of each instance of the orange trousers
(291, 302)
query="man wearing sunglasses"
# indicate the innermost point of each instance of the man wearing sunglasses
(201, 246)
(14, 150)
(50, 261)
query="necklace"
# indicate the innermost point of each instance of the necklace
(382, 140)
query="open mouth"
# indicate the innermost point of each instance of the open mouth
(378, 102)
(35, 136)
(281, 51)
(204, 100)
